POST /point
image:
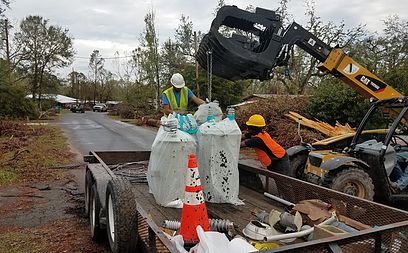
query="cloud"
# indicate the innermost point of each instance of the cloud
(116, 25)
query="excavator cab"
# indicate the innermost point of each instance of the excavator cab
(365, 166)
(242, 44)
(386, 152)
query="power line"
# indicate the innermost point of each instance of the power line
(106, 58)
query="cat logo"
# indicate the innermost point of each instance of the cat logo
(368, 82)
(351, 69)
(371, 82)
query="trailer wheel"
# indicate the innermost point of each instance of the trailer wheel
(88, 185)
(94, 210)
(297, 166)
(351, 180)
(121, 216)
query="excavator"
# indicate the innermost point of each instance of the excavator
(249, 45)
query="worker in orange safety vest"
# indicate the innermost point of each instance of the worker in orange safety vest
(269, 152)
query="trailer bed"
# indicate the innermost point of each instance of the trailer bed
(240, 215)
(390, 225)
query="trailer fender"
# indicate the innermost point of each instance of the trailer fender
(296, 150)
(101, 179)
(336, 162)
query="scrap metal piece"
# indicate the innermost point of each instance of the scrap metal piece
(215, 225)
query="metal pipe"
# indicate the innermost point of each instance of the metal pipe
(300, 233)
(280, 200)
(215, 224)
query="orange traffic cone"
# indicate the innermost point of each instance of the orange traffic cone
(194, 211)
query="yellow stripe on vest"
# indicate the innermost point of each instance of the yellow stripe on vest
(172, 98)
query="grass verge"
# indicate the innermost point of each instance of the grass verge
(29, 156)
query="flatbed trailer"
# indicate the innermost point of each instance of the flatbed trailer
(142, 217)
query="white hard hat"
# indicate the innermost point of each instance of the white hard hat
(177, 80)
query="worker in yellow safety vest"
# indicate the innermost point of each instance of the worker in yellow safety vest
(176, 98)
(269, 152)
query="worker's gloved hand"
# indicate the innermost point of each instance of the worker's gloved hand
(182, 112)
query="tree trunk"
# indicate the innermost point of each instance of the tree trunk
(158, 92)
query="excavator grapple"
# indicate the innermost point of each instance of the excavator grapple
(242, 44)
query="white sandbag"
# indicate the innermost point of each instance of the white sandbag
(207, 109)
(168, 163)
(218, 153)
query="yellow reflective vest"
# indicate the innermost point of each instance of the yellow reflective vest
(172, 99)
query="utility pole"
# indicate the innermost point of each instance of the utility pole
(74, 84)
(196, 64)
(78, 87)
(96, 73)
(6, 39)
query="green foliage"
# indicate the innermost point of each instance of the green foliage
(171, 59)
(150, 52)
(13, 102)
(228, 92)
(136, 94)
(96, 63)
(184, 37)
(43, 48)
(7, 177)
(334, 101)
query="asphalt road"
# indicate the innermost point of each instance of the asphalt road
(96, 131)
(93, 131)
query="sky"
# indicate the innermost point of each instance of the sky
(116, 25)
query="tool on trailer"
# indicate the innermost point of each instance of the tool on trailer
(215, 225)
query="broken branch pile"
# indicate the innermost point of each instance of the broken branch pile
(321, 126)
(281, 128)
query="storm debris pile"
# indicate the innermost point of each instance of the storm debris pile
(27, 151)
(280, 127)
(10, 128)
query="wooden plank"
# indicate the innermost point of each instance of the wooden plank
(157, 212)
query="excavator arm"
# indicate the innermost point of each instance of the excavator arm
(249, 45)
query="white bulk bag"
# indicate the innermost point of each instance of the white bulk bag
(207, 109)
(168, 163)
(218, 153)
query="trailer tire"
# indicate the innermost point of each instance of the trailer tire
(88, 186)
(297, 166)
(351, 180)
(121, 216)
(94, 211)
